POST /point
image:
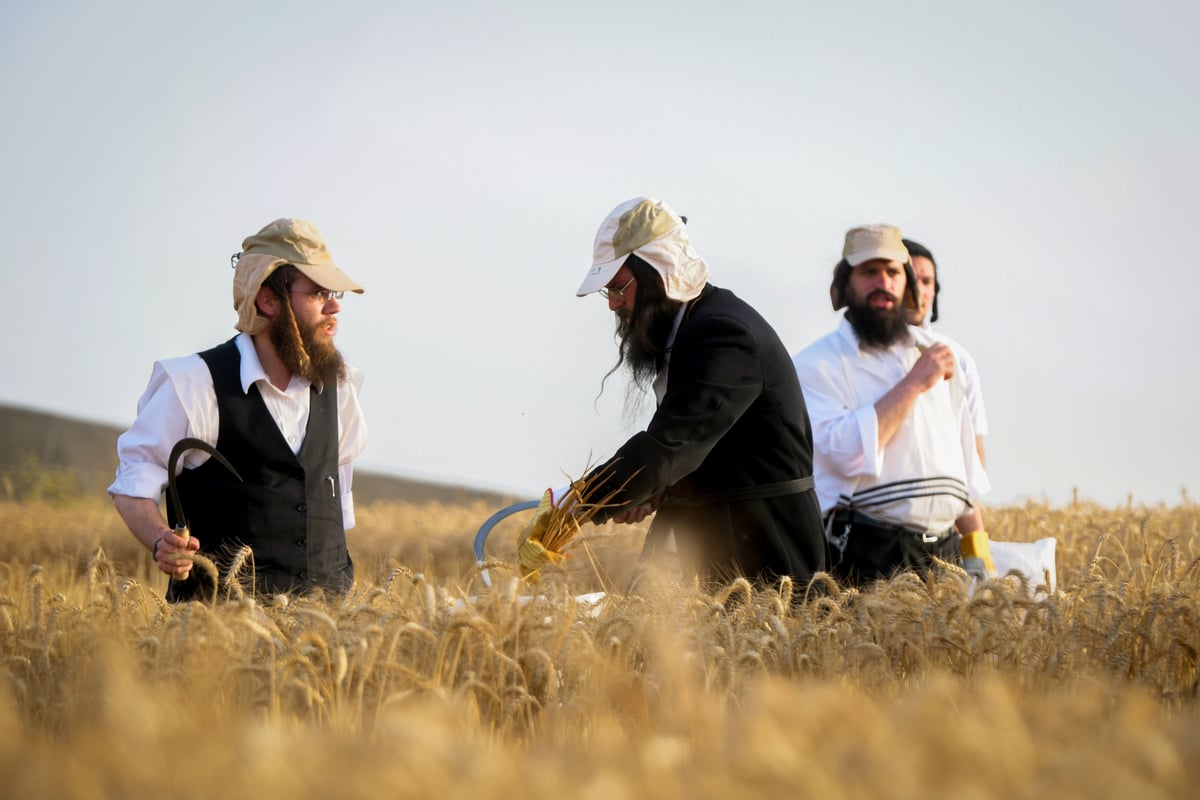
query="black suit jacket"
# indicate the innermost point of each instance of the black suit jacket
(732, 425)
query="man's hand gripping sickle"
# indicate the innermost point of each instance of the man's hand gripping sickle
(173, 550)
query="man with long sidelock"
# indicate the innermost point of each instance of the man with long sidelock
(280, 405)
(726, 459)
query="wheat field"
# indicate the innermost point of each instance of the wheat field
(425, 683)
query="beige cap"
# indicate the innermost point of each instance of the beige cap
(284, 241)
(650, 228)
(874, 241)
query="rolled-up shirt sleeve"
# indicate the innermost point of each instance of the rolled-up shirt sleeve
(143, 450)
(847, 438)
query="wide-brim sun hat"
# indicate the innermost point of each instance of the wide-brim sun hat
(284, 241)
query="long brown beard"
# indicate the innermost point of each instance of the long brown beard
(302, 353)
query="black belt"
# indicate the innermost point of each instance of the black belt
(757, 492)
(848, 516)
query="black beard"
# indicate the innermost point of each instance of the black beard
(319, 362)
(876, 328)
(642, 340)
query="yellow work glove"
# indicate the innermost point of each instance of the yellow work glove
(548, 531)
(977, 553)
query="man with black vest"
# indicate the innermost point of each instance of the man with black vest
(929, 286)
(281, 405)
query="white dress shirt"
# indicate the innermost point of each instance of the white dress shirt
(180, 402)
(924, 476)
(971, 382)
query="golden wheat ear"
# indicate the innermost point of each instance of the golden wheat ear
(560, 528)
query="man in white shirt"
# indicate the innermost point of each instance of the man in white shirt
(281, 405)
(895, 463)
(928, 288)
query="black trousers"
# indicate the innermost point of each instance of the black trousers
(863, 549)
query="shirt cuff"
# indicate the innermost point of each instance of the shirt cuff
(139, 480)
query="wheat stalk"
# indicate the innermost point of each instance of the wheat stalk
(558, 532)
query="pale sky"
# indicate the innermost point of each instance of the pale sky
(459, 158)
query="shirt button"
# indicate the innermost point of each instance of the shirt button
(303, 575)
(301, 542)
(302, 508)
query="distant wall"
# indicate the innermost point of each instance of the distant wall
(89, 450)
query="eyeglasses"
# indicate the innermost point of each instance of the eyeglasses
(607, 293)
(324, 295)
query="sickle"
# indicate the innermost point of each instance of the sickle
(486, 528)
(181, 447)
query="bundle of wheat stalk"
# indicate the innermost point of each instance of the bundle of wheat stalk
(555, 527)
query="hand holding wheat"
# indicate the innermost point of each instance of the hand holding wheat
(545, 539)
(555, 526)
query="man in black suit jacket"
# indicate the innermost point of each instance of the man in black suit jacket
(726, 460)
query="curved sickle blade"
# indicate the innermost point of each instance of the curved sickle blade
(181, 447)
(486, 528)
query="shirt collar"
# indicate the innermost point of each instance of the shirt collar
(252, 370)
(675, 326)
(660, 380)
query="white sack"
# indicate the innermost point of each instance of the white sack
(1034, 560)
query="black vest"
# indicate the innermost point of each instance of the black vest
(287, 508)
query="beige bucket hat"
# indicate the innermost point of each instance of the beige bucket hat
(650, 228)
(284, 241)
